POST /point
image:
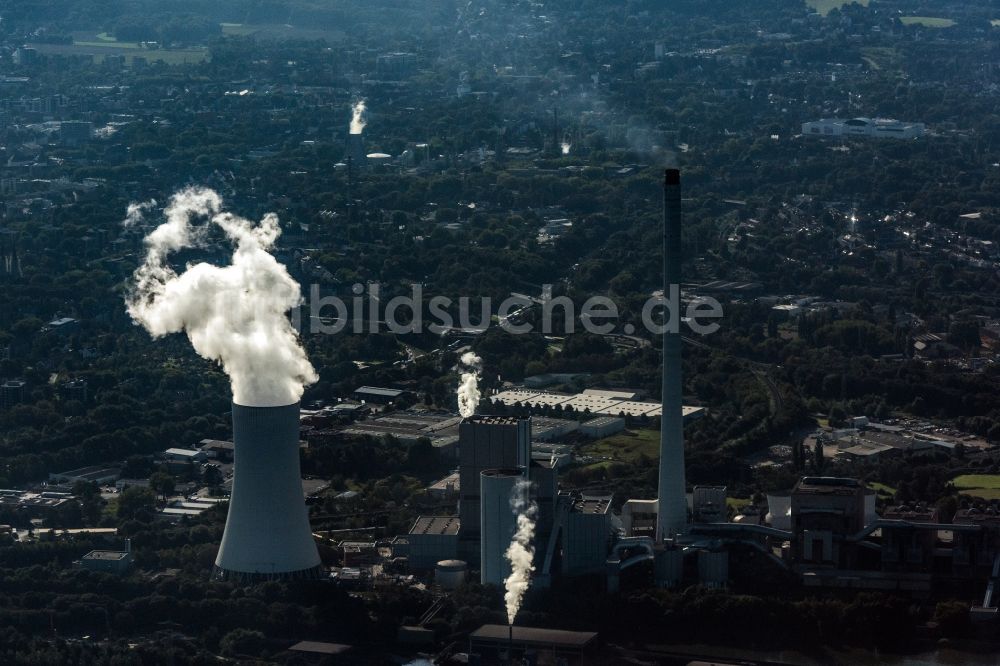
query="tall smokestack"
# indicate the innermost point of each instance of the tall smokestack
(267, 533)
(671, 516)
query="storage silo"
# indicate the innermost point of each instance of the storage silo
(871, 514)
(668, 566)
(713, 567)
(449, 574)
(267, 533)
(498, 523)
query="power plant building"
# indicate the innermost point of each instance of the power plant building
(708, 504)
(431, 540)
(824, 511)
(589, 534)
(485, 442)
(267, 534)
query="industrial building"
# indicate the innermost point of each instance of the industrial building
(98, 474)
(185, 455)
(108, 561)
(824, 511)
(34, 504)
(12, 392)
(377, 394)
(409, 426)
(592, 401)
(485, 443)
(432, 539)
(602, 426)
(589, 534)
(497, 643)
(878, 128)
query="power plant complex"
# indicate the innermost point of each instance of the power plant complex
(575, 534)
(825, 530)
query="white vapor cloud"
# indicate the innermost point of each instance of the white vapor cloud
(468, 385)
(521, 552)
(235, 314)
(136, 212)
(358, 117)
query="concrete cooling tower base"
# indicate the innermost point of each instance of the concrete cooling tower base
(267, 534)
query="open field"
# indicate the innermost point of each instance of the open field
(737, 503)
(626, 446)
(927, 21)
(882, 490)
(238, 29)
(881, 57)
(824, 7)
(99, 49)
(109, 44)
(986, 486)
(280, 31)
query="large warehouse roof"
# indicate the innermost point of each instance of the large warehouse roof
(531, 636)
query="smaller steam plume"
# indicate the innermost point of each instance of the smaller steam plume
(468, 385)
(521, 552)
(135, 212)
(565, 146)
(358, 121)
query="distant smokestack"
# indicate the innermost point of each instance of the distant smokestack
(671, 516)
(267, 533)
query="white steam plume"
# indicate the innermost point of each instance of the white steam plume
(521, 552)
(358, 117)
(468, 385)
(565, 146)
(135, 212)
(233, 314)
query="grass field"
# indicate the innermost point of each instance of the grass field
(881, 57)
(626, 446)
(824, 7)
(280, 31)
(882, 489)
(238, 29)
(103, 43)
(927, 21)
(986, 486)
(736, 503)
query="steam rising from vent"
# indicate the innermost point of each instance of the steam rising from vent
(521, 552)
(233, 314)
(358, 117)
(135, 212)
(565, 146)
(468, 386)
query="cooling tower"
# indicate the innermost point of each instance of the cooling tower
(267, 532)
(671, 517)
(498, 523)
